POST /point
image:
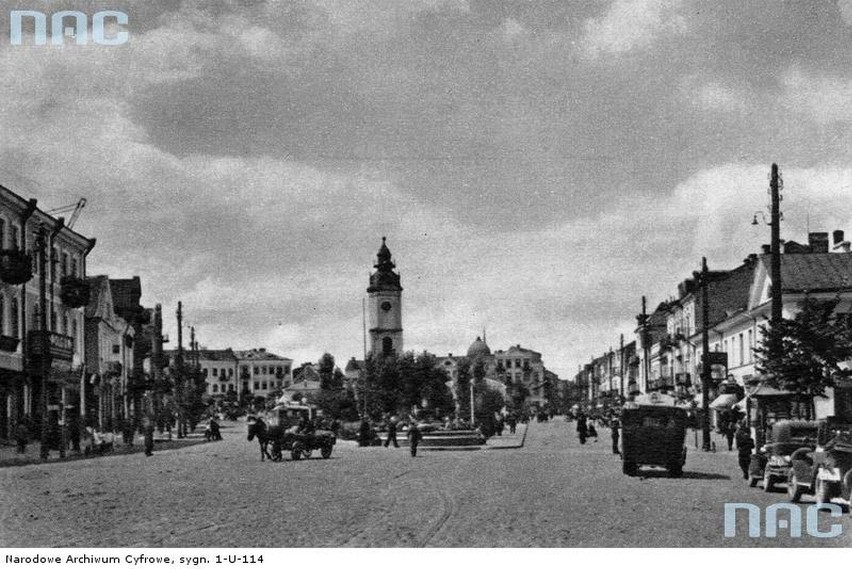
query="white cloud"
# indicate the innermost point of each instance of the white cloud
(631, 25)
(825, 100)
(714, 96)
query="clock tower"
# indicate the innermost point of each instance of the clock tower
(385, 306)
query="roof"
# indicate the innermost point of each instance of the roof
(353, 365)
(259, 354)
(209, 355)
(815, 272)
(727, 294)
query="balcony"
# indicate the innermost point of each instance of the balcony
(60, 347)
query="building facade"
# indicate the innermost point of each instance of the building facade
(41, 312)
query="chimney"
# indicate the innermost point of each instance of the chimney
(838, 237)
(840, 244)
(818, 242)
(767, 249)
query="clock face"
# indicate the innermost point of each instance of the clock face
(386, 306)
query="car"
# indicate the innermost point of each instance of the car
(653, 434)
(773, 462)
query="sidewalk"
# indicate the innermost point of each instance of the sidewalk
(9, 453)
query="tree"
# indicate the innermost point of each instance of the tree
(814, 344)
(395, 384)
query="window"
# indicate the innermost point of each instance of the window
(74, 267)
(16, 237)
(279, 370)
(263, 385)
(286, 370)
(74, 328)
(2, 315)
(204, 372)
(116, 348)
(2, 233)
(64, 268)
(750, 346)
(256, 371)
(230, 372)
(53, 322)
(742, 358)
(263, 370)
(64, 324)
(222, 372)
(256, 385)
(215, 388)
(215, 372)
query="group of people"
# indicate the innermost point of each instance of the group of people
(587, 429)
(413, 434)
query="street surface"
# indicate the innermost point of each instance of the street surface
(550, 493)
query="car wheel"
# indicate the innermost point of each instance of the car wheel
(794, 491)
(326, 451)
(768, 483)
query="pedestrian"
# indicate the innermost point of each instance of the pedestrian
(148, 431)
(745, 445)
(414, 437)
(615, 435)
(593, 432)
(22, 435)
(391, 433)
(730, 432)
(582, 429)
(364, 433)
(513, 423)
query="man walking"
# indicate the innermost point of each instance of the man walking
(582, 429)
(148, 430)
(745, 445)
(614, 426)
(391, 433)
(414, 437)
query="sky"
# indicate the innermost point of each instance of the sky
(536, 166)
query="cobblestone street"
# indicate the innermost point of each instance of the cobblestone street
(551, 492)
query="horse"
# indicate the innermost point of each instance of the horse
(265, 434)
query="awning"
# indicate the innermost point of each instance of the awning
(724, 401)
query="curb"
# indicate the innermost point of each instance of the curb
(523, 440)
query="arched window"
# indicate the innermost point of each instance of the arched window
(387, 345)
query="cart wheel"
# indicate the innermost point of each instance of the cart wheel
(326, 451)
(629, 468)
(794, 491)
(296, 451)
(306, 453)
(768, 485)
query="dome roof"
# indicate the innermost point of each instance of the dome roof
(478, 349)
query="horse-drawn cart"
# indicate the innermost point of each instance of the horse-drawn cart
(302, 445)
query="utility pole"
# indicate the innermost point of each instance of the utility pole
(775, 184)
(179, 379)
(705, 357)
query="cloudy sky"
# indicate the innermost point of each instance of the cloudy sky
(537, 166)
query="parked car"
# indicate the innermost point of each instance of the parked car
(773, 462)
